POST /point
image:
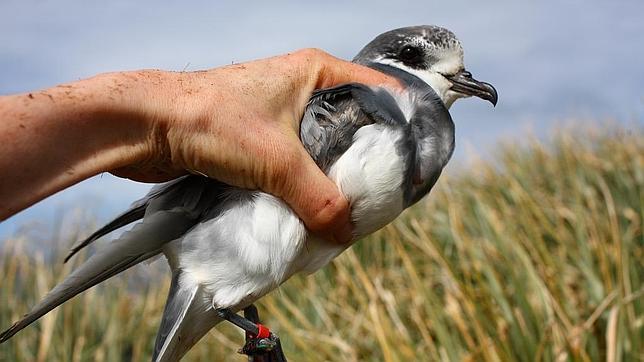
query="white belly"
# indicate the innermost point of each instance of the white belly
(256, 245)
(370, 175)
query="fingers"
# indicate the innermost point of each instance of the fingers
(313, 196)
(334, 71)
(317, 200)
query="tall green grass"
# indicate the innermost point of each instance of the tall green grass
(535, 256)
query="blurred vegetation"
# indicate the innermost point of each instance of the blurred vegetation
(536, 256)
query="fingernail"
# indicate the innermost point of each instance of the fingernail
(344, 234)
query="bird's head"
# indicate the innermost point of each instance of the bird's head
(431, 53)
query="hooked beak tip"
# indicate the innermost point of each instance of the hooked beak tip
(492, 95)
(463, 83)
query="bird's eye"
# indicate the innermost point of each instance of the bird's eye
(410, 54)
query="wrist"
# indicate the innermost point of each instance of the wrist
(153, 102)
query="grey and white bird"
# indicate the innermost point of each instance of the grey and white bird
(227, 247)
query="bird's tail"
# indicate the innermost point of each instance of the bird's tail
(144, 241)
(187, 317)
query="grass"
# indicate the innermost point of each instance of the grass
(537, 256)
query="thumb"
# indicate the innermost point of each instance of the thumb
(317, 200)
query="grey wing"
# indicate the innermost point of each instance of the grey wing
(321, 119)
(187, 187)
(335, 114)
(136, 212)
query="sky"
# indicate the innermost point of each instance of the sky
(551, 62)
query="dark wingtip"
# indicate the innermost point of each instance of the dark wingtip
(69, 256)
(80, 246)
(71, 253)
(5, 335)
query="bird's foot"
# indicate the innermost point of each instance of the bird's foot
(261, 349)
(258, 346)
(261, 345)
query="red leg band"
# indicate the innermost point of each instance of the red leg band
(262, 331)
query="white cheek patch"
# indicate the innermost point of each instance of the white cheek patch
(435, 80)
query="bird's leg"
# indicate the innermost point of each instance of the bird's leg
(261, 344)
(273, 355)
(255, 329)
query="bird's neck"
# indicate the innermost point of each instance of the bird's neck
(432, 132)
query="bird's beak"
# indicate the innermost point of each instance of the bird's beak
(462, 82)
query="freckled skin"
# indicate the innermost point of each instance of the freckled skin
(238, 124)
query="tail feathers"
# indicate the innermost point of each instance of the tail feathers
(65, 291)
(144, 241)
(187, 317)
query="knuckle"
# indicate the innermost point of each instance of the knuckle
(308, 54)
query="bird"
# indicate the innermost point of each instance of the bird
(384, 147)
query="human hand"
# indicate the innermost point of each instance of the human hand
(238, 124)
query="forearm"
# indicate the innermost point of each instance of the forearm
(54, 138)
